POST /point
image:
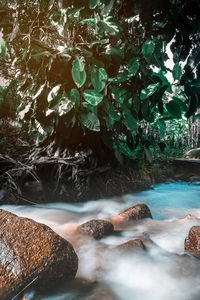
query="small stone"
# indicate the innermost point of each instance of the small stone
(96, 228)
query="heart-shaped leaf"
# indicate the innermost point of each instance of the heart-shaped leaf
(91, 121)
(93, 97)
(98, 78)
(148, 48)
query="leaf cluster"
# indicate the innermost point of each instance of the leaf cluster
(100, 66)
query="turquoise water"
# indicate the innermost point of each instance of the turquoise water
(170, 200)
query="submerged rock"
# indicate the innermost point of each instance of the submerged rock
(192, 242)
(29, 252)
(97, 228)
(137, 212)
(131, 246)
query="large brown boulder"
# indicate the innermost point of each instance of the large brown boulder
(134, 213)
(30, 251)
(96, 228)
(192, 242)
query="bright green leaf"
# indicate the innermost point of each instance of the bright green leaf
(78, 77)
(92, 97)
(98, 78)
(149, 91)
(79, 64)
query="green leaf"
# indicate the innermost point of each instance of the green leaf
(148, 48)
(177, 71)
(3, 49)
(133, 66)
(149, 91)
(109, 25)
(98, 78)
(65, 106)
(91, 121)
(75, 97)
(92, 97)
(174, 108)
(131, 124)
(75, 13)
(104, 41)
(195, 83)
(122, 77)
(107, 8)
(78, 76)
(115, 51)
(162, 126)
(24, 55)
(93, 4)
(39, 91)
(162, 76)
(79, 64)
(53, 93)
(113, 114)
(145, 108)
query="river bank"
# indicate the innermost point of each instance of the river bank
(46, 173)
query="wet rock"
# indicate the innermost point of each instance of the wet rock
(96, 228)
(137, 212)
(30, 251)
(131, 246)
(192, 242)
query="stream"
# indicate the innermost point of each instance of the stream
(163, 272)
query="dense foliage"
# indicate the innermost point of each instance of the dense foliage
(95, 71)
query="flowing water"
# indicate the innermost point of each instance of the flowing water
(162, 273)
